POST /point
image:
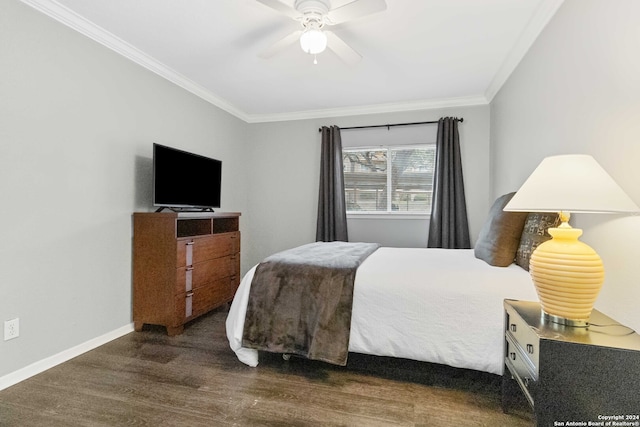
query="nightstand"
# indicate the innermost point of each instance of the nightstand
(571, 376)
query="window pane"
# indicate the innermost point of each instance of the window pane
(365, 179)
(389, 179)
(412, 179)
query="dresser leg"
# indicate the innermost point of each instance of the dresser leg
(172, 331)
(137, 326)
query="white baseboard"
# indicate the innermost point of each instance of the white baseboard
(44, 364)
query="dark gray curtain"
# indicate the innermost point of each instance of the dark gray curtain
(332, 211)
(448, 227)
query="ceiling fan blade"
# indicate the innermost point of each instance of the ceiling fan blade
(341, 49)
(281, 44)
(278, 6)
(356, 9)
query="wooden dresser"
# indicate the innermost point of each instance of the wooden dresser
(183, 266)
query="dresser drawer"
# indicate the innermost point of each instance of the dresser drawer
(524, 338)
(204, 298)
(198, 249)
(213, 295)
(191, 277)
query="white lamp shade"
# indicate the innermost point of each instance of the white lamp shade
(571, 183)
(313, 41)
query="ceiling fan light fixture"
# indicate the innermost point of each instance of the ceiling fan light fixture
(313, 41)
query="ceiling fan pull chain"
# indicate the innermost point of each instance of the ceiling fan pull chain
(315, 59)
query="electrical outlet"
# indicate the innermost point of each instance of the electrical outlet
(11, 329)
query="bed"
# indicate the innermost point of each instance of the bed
(434, 305)
(446, 308)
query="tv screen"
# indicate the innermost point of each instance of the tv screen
(185, 180)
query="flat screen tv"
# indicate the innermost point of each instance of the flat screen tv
(185, 181)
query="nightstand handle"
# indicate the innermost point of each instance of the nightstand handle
(513, 355)
(513, 327)
(530, 348)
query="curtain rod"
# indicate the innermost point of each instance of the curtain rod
(393, 125)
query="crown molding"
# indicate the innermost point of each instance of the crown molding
(369, 109)
(80, 24)
(537, 23)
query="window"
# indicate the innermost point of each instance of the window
(389, 179)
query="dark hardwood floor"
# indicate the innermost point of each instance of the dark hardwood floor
(149, 379)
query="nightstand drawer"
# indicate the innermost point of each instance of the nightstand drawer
(519, 361)
(523, 337)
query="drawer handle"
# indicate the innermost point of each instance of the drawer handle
(189, 294)
(189, 268)
(513, 355)
(190, 243)
(513, 327)
(530, 348)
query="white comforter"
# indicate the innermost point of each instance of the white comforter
(433, 305)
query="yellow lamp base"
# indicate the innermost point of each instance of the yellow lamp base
(568, 275)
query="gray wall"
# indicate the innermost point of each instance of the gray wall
(284, 164)
(578, 91)
(77, 123)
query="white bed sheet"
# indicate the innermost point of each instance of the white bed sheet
(433, 305)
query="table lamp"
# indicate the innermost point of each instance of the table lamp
(567, 273)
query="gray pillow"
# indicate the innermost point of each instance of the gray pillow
(534, 233)
(500, 235)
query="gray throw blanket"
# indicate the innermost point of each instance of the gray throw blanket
(300, 301)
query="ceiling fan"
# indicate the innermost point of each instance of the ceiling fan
(313, 16)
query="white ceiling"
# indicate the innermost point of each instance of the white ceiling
(416, 54)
